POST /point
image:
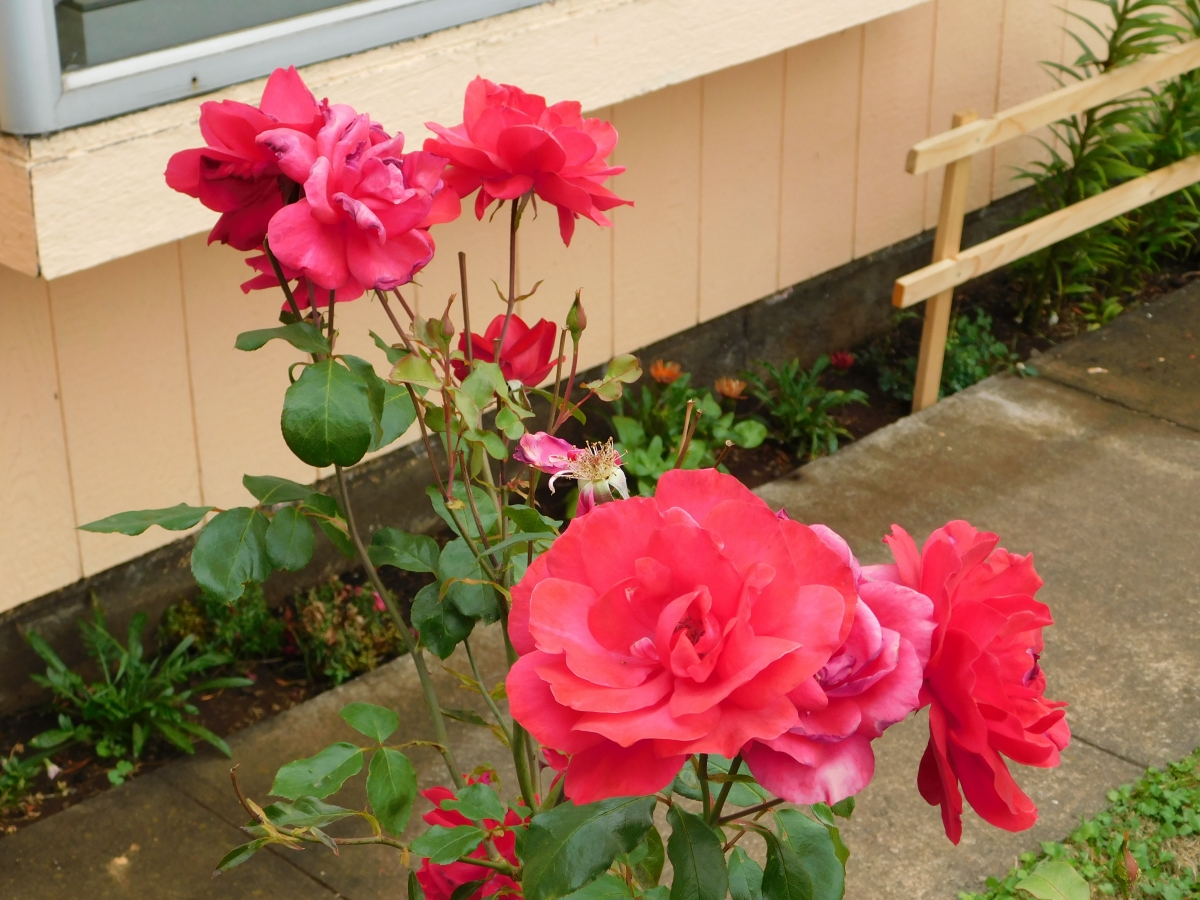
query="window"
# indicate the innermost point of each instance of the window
(68, 62)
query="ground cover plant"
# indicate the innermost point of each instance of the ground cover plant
(692, 649)
(1145, 843)
(800, 408)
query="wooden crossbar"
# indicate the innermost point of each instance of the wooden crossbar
(1041, 233)
(971, 138)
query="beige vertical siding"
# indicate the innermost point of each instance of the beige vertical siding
(122, 388)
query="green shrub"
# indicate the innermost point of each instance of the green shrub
(18, 775)
(800, 408)
(973, 353)
(136, 701)
(245, 629)
(341, 631)
(649, 427)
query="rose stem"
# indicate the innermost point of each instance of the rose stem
(462, 277)
(725, 788)
(702, 772)
(287, 288)
(685, 438)
(514, 222)
(332, 301)
(431, 698)
(762, 807)
(487, 698)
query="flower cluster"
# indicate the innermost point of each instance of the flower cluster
(698, 621)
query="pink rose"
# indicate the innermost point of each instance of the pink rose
(983, 684)
(659, 627)
(511, 143)
(872, 682)
(234, 174)
(362, 221)
(596, 467)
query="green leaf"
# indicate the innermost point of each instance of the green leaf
(785, 877)
(442, 627)
(1055, 881)
(270, 489)
(398, 414)
(331, 521)
(569, 846)
(606, 887)
(477, 801)
(393, 354)
(457, 568)
(531, 521)
(415, 891)
(740, 794)
(749, 433)
(327, 416)
(411, 552)
(695, 852)
(391, 788)
(467, 889)
(365, 372)
(443, 846)
(466, 716)
(301, 335)
(844, 808)
(306, 812)
(648, 870)
(172, 518)
(745, 877)
(487, 509)
(239, 855)
(289, 540)
(817, 851)
(232, 550)
(622, 370)
(375, 722)
(318, 776)
(412, 369)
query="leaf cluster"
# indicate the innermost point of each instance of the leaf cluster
(649, 428)
(245, 629)
(340, 632)
(1161, 816)
(799, 407)
(137, 699)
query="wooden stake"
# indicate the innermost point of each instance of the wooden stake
(946, 245)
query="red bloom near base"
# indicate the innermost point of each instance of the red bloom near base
(441, 881)
(983, 684)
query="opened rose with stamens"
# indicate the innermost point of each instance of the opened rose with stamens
(659, 627)
(597, 467)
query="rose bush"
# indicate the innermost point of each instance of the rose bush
(657, 647)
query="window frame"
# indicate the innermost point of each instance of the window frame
(36, 97)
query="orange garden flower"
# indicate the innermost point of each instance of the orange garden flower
(665, 372)
(730, 387)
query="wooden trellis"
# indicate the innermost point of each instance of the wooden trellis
(969, 135)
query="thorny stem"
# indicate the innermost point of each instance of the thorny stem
(462, 277)
(395, 322)
(487, 697)
(431, 698)
(287, 288)
(762, 807)
(514, 222)
(725, 788)
(702, 774)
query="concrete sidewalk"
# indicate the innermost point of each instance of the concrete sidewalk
(1098, 474)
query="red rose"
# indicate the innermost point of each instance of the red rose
(872, 682)
(983, 684)
(841, 359)
(659, 627)
(234, 174)
(511, 143)
(440, 881)
(362, 221)
(525, 356)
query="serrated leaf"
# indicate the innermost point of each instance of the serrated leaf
(696, 855)
(331, 522)
(301, 335)
(606, 887)
(442, 846)
(844, 808)
(785, 877)
(745, 876)
(270, 489)
(398, 414)
(1055, 881)
(289, 540)
(569, 846)
(375, 722)
(461, 578)
(393, 354)
(442, 627)
(232, 550)
(477, 801)
(239, 855)
(648, 870)
(327, 416)
(411, 552)
(391, 788)
(305, 812)
(817, 851)
(412, 369)
(318, 776)
(172, 518)
(530, 521)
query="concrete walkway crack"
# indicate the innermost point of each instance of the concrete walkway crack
(1076, 736)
